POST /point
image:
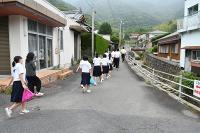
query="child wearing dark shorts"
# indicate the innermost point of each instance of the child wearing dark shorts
(85, 67)
(105, 65)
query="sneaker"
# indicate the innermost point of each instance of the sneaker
(88, 91)
(8, 112)
(82, 86)
(24, 111)
(39, 94)
(83, 90)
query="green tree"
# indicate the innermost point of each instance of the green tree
(105, 29)
(170, 26)
(115, 39)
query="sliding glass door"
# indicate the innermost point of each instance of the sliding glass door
(40, 43)
(33, 46)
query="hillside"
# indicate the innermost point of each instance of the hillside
(135, 13)
(62, 5)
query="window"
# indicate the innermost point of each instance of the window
(196, 55)
(32, 25)
(49, 30)
(42, 28)
(61, 40)
(174, 48)
(40, 43)
(164, 49)
(193, 10)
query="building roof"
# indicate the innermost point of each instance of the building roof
(158, 32)
(76, 15)
(168, 36)
(169, 39)
(39, 10)
(191, 47)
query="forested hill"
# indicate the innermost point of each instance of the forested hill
(62, 5)
(135, 13)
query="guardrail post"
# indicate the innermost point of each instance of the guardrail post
(153, 71)
(180, 87)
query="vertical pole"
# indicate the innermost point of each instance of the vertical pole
(93, 15)
(180, 87)
(120, 33)
(153, 72)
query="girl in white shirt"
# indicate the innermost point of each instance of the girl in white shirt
(117, 58)
(18, 87)
(105, 65)
(97, 68)
(86, 69)
(110, 64)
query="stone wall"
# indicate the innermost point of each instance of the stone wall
(161, 64)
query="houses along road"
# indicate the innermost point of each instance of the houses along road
(122, 104)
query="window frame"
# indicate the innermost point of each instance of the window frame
(46, 37)
(191, 10)
(195, 53)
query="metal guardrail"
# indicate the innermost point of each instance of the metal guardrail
(154, 75)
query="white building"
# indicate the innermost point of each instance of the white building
(189, 27)
(39, 27)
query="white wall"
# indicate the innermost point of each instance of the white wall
(68, 53)
(189, 39)
(55, 47)
(79, 46)
(18, 39)
(18, 36)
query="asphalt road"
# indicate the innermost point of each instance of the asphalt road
(122, 104)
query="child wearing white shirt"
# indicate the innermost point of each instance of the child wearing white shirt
(86, 68)
(105, 65)
(19, 84)
(97, 68)
(117, 58)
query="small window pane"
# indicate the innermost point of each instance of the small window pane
(42, 28)
(194, 55)
(49, 30)
(32, 25)
(198, 54)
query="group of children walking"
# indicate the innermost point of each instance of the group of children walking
(23, 78)
(102, 68)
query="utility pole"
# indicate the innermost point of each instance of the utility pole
(120, 33)
(93, 17)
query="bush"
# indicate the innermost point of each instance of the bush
(189, 75)
(101, 45)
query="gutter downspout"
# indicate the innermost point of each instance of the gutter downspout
(58, 48)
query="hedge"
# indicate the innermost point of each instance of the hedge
(101, 45)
